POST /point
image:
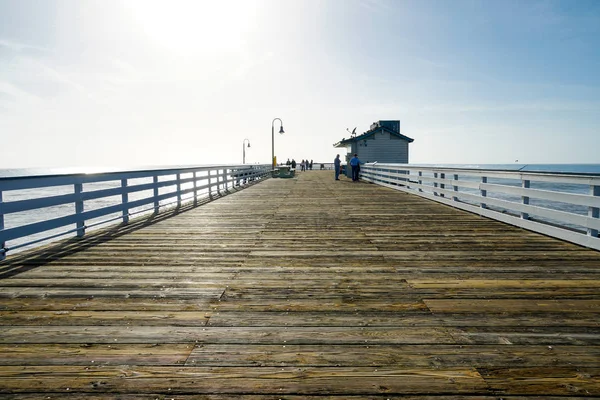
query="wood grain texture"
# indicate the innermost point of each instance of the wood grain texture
(303, 287)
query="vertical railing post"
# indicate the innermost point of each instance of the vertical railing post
(178, 190)
(435, 184)
(420, 181)
(593, 212)
(79, 209)
(155, 189)
(125, 200)
(210, 195)
(218, 181)
(225, 178)
(2, 242)
(483, 192)
(455, 187)
(442, 185)
(195, 188)
(525, 199)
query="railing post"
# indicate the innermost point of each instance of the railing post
(209, 186)
(218, 181)
(125, 200)
(2, 242)
(195, 188)
(225, 178)
(420, 181)
(79, 209)
(525, 199)
(483, 192)
(156, 202)
(442, 185)
(593, 212)
(455, 187)
(435, 184)
(178, 190)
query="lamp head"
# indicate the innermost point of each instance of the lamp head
(281, 130)
(248, 144)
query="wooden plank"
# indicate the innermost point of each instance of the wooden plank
(323, 318)
(73, 318)
(94, 354)
(157, 334)
(101, 282)
(561, 381)
(506, 283)
(407, 356)
(550, 336)
(342, 303)
(91, 303)
(547, 305)
(229, 396)
(408, 318)
(267, 380)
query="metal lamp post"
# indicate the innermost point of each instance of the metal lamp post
(244, 150)
(273, 139)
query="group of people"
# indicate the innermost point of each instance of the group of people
(354, 164)
(305, 165)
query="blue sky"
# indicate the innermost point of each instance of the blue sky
(136, 83)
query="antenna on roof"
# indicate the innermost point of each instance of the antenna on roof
(354, 131)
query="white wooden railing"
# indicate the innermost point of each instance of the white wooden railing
(562, 205)
(71, 203)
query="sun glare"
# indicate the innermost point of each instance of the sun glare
(195, 26)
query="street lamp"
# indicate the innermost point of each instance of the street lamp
(244, 150)
(273, 139)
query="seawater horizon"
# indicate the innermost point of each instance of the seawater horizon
(561, 168)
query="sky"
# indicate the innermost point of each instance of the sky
(128, 83)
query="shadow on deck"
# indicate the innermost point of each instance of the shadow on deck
(303, 287)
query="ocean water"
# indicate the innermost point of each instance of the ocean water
(28, 217)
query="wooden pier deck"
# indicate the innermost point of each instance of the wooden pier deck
(304, 288)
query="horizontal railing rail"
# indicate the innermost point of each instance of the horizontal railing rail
(38, 207)
(561, 205)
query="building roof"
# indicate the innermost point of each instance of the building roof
(345, 142)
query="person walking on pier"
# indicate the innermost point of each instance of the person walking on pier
(355, 164)
(337, 163)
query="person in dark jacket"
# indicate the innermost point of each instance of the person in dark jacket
(355, 164)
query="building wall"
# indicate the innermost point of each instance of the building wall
(383, 148)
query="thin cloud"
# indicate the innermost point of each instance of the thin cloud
(13, 97)
(19, 47)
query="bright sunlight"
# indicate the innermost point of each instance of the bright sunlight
(190, 27)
